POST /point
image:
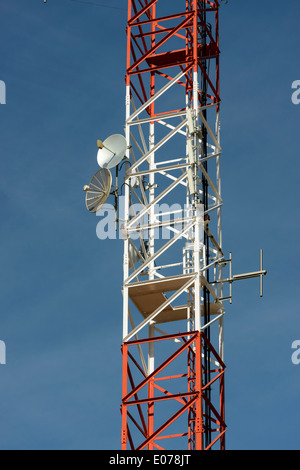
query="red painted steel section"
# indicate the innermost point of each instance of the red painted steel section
(190, 402)
(147, 60)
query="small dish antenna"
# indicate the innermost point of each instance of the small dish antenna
(112, 151)
(98, 191)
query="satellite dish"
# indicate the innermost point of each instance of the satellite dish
(112, 151)
(98, 191)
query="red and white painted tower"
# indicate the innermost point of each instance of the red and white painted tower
(171, 221)
(173, 369)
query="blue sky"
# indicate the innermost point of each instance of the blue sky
(64, 64)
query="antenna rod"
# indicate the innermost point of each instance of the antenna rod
(261, 277)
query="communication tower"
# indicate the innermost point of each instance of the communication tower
(173, 392)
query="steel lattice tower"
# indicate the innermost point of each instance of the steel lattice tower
(173, 369)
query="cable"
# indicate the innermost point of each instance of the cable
(99, 5)
(96, 4)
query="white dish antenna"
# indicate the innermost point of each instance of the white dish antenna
(112, 151)
(98, 191)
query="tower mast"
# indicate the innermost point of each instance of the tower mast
(173, 369)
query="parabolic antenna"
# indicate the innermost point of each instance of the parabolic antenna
(112, 151)
(98, 191)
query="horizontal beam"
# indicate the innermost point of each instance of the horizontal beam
(161, 338)
(157, 118)
(239, 277)
(163, 398)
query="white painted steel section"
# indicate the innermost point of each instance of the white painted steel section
(185, 172)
